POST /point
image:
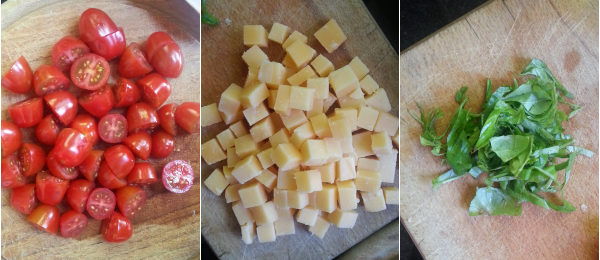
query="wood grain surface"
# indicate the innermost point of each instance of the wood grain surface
(168, 226)
(498, 41)
(222, 48)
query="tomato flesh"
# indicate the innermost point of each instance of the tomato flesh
(90, 166)
(188, 116)
(58, 170)
(142, 174)
(50, 189)
(101, 203)
(163, 144)
(23, 198)
(166, 116)
(71, 147)
(178, 176)
(48, 129)
(45, 217)
(63, 104)
(112, 128)
(11, 137)
(126, 93)
(78, 193)
(141, 116)
(32, 158)
(99, 102)
(66, 50)
(140, 144)
(90, 72)
(117, 228)
(27, 113)
(19, 78)
(133, 62)
(12, 176)
(87, 125)
(108, 179)
(155, 89)
(47, 79)
(72, 223)
(130, 200)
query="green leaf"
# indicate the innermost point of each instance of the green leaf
(493, 202)
(574, 109)
(445, 178)
(539, 68)
(460, 94)
(475, 172)
(489, 127)
(517, 163)
(509, 146)
(579, 150)
(488, 90)
(459, 156)
(549, 150)
(206, 17)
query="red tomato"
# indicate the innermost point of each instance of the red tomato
(72, 223)
(12, 176)
(18, 79)
(155, 89)
(164, 55)
(178, 176)
(78, 193)
(142, 174)
(112, 128)
(71, 147)
(101, 203)
(47, 79)
(45, 217)
(90, 166)
(141, 116)
(126, 93)
(95, 23)
(133, 62)
(110, 46)
(63, 104)
(107, 178)
(50, 189)
(11, 138)
(99, 102)
(117, 228)
(162, 144)
(87, 125)
(166, 116)
(58, 170)
(90, 72)
(188, 116)
(32, 158)
(120, 160)
(48, 129)
(66, 50)
(27, 113)
(140, 144)
(23, 198)
(130, 200)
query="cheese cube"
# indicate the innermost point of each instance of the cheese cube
(254, 56)
(368, 85)
(286, 157)
(343, 81)
(228, 176)
(308, 181)
(301, 98)
(295, 119)
(346, 195)
(295, 36)
(381, 144)
(280, 198)
(285, 179)
(362, 144)
(226, 139)
(328, 102)
(268, 179)
(317, 108)
(210, 115)
(347, 148)
(301, 134)
(229, 119)
(264, 213)
(320, 227)
(289, 63)
(334, 149)
(211, 152)
(368, 164)
(279, 33)
(255, 35)
(271, 98)
(350, 114)
(255, 114)
(321, 126)
(252, 194)
(307, 216)
(311, 199)
(322, 65)
(300, 53)
(239, 129)
(285, 213)
(272, 74)
(265, 158)
(232, 158)
(387, 166)
(266, 233)
(297, 200)
(391, 195)
(302, 76)
(216, 182)
(374, 201)
(320, 85)
(282, 102)
(284, 226)
(230, 100)
(231, 193)
(276, 118)
(339, 127)
(379, 100)
(281, 137)
(248, 232)
(330, 36)
(252, 76)
(247, 169)
(367, 117)
(245, 146)
(254, 94)
(326, 199)
(367, 181)
(242, 214)
(396, 138)
(314, 153)
(263, 129)
(343, 219)
(386, 123)
(327, 171)
(357, 94)
(349, 102)
(346, 169)
(359, 68)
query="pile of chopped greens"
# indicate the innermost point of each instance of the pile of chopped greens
(516, 139)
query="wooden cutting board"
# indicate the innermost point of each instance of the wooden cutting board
(498, 41)
(168, 226)
(222, 48)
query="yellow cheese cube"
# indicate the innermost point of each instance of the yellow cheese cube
(285, 179)
(284, 226)
(289, 63)
(282, 102)
(314, 153)
(308, 181)
(211, 152)
(381, 144)
(349, 102)
(317, 108)
(268, 179)
(321, 126)
(367, 181)
(265, 158)
(281, 137)
(350, 114)
(228, 176)
(297, 200)
(232, 158)
(255, 114)
(247, 169)
(322, 65)
(264, 213)
(254, 56)
(301, 134)
(279, 33)
(239, 129)
(266, 233)
(231, 193)
(368, 164)
(359, 68)
(346, 169)
(379, 100)
(346, 195)
(286, 157)
(307, 216)
(374, 201)
(328, 102)
(216, 182)
(368, 85)
(301, 98)
(347, 148)
(300, 53)
(230, 100)
(342, 218)
(330, 36)
(280, 198)
(362, 144)
(245, 146)
(302, 76)
(276, 118)
(326, 199)
(252, 194)
(327, 171)
(311, 199)
(320, 85)
(320, 227)
(242, 214)
(272, 74)
(226, 139)
(386, 123)
(343, 81)
(357, 94)
(387, 166)
(367, 117)
(295, 36)
(252, 76)
(396, 138)
(339, 127)
(255, 35)
(285, 213)
(334, 149)
(391, 195)
(248, 232)
(295, 119)
(263, 129)
(210, 115)
(232, 118)
(254, 94)
(271, 98)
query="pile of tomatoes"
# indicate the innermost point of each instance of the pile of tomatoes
(95, 181)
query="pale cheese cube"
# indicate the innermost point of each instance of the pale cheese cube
(246, 169)
(331, 36)
(317, 108)
(248, 232)
(232, 193)
(368, 85)
(359, 68)
(271, 98)
(284, 226)
(343, 219)
(343, 81)
(334, 149)
(285, 212)
(328, 102)
(242, 214)
(311, 199)
(272, 74)
(230, 102)
(255, 114)
(387, 166)
(295, 119)
(268, 179)
(264, 213)
(350, 114)
(307, 215)
(229, 119)
(326, 199)
(265, 158)
(314, 153)
(297, 200)
(368, 164)
(232, 157)
(391, 195)
(301, 134)
(346, 195)
(211, 152)
(381, 143)
(280, 198)
(286, 157)
(210, 115)
(252, 194)
(322, 65)
(386, 123)
(289, 63)
(320, 85)
(367, 117)
(239, 129)
(285, 179)
(254, 95)
(245, 146)
(348, 102)
(255, 35)
(367, 181)
(362, 144)
(295, 36)
(379, 100)
(263, 129)
(320, 227)
(339, 127)
(226, 139)
(302, 76)
(327, 171)
(308, 181)
(228, 176)
(279, 33)
(357, 94)
(301, 98)
(282, 102)
(346, 169)
(281, 137)
(216, 182)
(301, 53)
(321, 126)
(374, 201)
(254, 57)
(251, 76)
(266, 233)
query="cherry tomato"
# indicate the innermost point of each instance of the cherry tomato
(90, 72)
(141, 116)
(133, 62)
(19, 78)
(109, 46)
(48, 129)
(164, 55)
(72, 223)
(142, 174)
(120, 160)
(126, 93)
(166, 116)
(45, 217)
(117, 228)
(27, 113)
(188, 116)
(95, 23)
(130, 200)
(90, 166)
(107, 178)
(47, 79)
(11, 138)
(78, 193)
(112, 128)
(155, 89)
(87, 125)
(63, 104)
(71, 147)
(23, 198)
(162, 144)
(178, 176)
(32, 158)
(50, 189)
(101, 203)
(140, 144)
(66, 50)
(99, 102)
(58, 170)
(12, 176)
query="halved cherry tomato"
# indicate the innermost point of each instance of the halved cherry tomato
(87, 125)
(164, 55)
(142, 174)
(27, 113)
(117, 228)
(90, 72)
(50, 189)
(178, 176)
(11, 137)
(155, 89)
(32, 158)
(47, 79)
(19, 78)
(66, 50)
(63, 104)
(112, 128)
(78, 193)
(107, 178)
(99, 102)
(133, 62)
(45, 217)
(72, 223)
(95, 23)
(166, 115)
(141, 116)
(140, 144)
(120, 160)
(71, 147)
(58, 170)
(109, 46)
(90, 166)
(101, 203)
(12, 176)
(48, 129)
(188, 116)
(126, 93)
(130, 200)
(23, 198)
(162, 144)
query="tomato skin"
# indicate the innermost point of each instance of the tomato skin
(91, 165)
(112, 128)
(23, 198)
(133, 62)
(188, 116)
(166, 115)
(48, 129)
(155, 89)
(109, 46)
(142, 174)
(50, 189)
(58, 170)
(141, 116)
(47, 79)
(130, 200)
(164, 55)
(178, 176)
(71, 147)
(90, 72)
(27, 113)
(117, 228)
(63, 104)
(120, 160)
(87, 125)
(163, 144)
(78, 193)
(107, 178)
(66, 50)
(156, 41)
(140, 144)
(32, 158)
(101, 203)
(126, 93)
(95, 23)
(19, 78)
(72, 223)
(12, 176)
(11, 137)
(99, 102)
(45, 217)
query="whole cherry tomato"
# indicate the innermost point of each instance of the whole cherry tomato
(23, 198)
(109, 46)
(48, 129)
(72, 223)
(87, 125)
(90, 166)
(133, 62)
(140, 144)
(117, 228)
(162, 144)
(188, 116)
(155, 89)
(112, 128)
(141, 116)
(63, 105)
(107, 178)
(47, 79)
(99, 102)
(166, 116)
(11, 137)
(94, 24)
(12, 176)
(27, 113)
(32, 158)
(178, 176)
(120, 160)
(78, 193)
(19, 78)
(50, 189)
(45, 217)
(126, 93)
(58, 170)
(130, 200)
(101, 203)
(142, 174)
(71, 147)
(90, 72)
(66, 50)
(164, 55)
